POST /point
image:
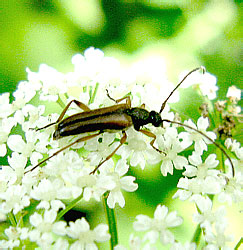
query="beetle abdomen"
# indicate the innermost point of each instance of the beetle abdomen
(107, 122)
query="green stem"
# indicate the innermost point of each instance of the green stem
(66, 95)
(69, 207)
(111, 219)
(19, 218)
(239, 243)
(60, 102)
(92, 96)
(197, 235)
(12, 219)
(222, 163)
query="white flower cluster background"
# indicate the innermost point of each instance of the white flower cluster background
(33, 202)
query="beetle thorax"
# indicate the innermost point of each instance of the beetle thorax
(141, 117)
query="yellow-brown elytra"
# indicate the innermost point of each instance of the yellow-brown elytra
(115, 118)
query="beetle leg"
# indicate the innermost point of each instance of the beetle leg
(86, 138)
(78, 103)
(150, 134)
(122, 141)
(127, 98)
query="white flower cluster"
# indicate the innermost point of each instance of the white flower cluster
(45, 231)
(67, 175)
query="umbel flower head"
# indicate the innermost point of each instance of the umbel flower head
(57, 185)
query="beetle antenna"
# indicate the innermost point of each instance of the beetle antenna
(178, 85)
(215, 143)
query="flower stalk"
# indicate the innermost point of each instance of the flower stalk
(72, 204)
(12, 219)
(112, 223)
(197, 235)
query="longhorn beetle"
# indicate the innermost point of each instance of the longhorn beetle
(112, 119)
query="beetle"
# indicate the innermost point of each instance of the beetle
(118, 117)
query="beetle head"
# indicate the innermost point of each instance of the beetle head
(155, 118)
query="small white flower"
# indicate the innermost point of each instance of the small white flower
(234, 93)
(6, 125)
(85, 238)
(94, 68)
(92, 186)
(158, 227)
(14, 234)
(206, 82)
(234, 145)
(6, 109)
(232, 189)
(201, 169)
(33, 115)
(49, 194)
(170, 146)
(238, 150)
(206, 218)
(219, 239)
(121, 182)
(53, 83)
(58, 165)
(100, 147)
(15, 171)
(14, 199)
(136, 148)
(24, 93)
(16, 143)
(200, 140)
(44, 227)
(195, 186)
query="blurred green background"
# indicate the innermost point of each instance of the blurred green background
(186, 33)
